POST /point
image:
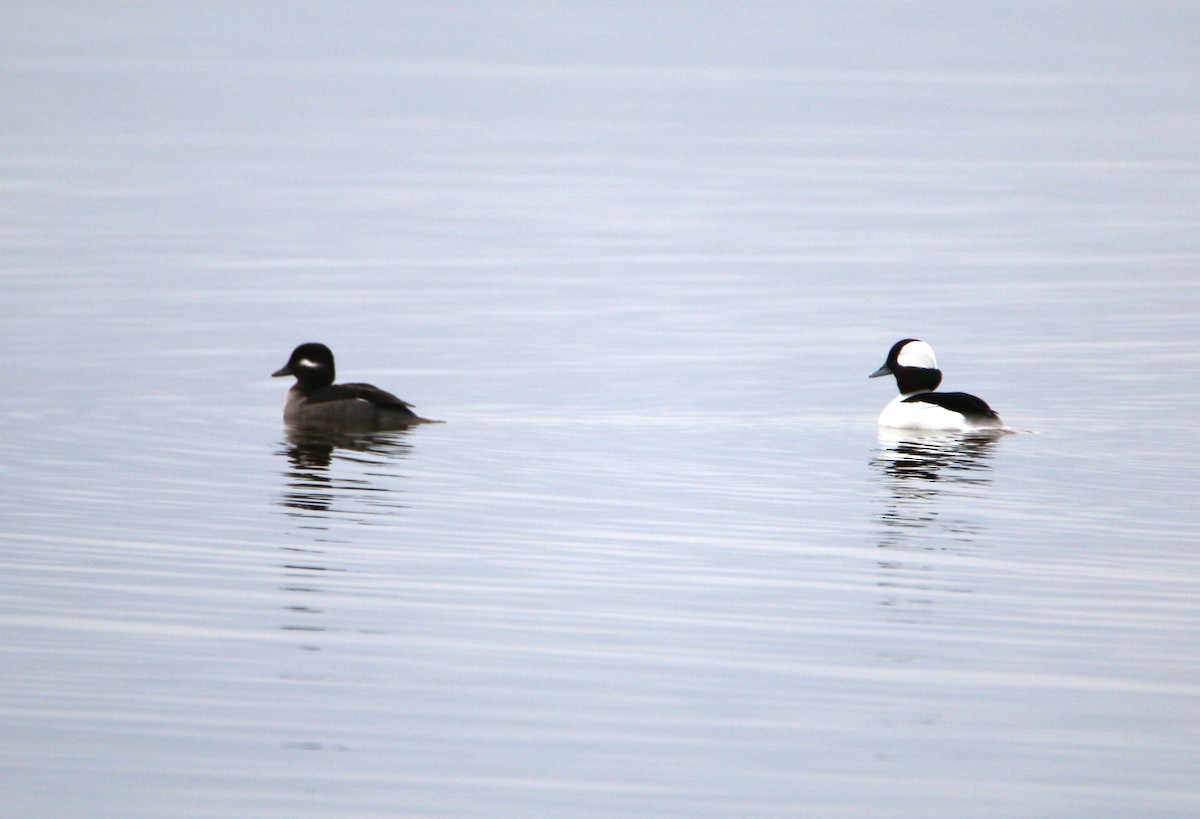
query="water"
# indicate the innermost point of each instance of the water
(659, 561)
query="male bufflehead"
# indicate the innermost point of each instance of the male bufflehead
(315, 401)
(918, 406)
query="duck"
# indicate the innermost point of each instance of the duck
(917, 406)
(315, 401)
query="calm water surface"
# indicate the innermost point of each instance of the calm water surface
(659, 561)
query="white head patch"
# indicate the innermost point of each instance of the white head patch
(917, 354)
(309, 364)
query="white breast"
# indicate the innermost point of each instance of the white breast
(900, 415)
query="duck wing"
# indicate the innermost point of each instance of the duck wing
(971, 406)
(362, 392)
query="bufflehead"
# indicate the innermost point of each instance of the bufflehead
(315, 401)
(918, 406)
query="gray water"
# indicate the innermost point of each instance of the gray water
(640, 258)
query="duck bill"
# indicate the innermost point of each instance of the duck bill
(282, 371)
(881, 371)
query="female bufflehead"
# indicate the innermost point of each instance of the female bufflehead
(314, 400)
(918, 406)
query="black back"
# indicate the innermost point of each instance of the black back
(347, 392)
(970, 406)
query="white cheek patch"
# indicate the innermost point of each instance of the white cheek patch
(308, 364)
(917, 354)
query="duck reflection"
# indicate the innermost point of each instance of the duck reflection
(332, 479)
(920, 466)
(313, 490)
(932, 482)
